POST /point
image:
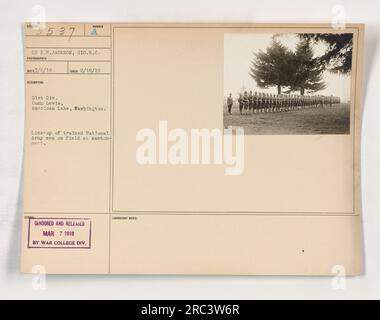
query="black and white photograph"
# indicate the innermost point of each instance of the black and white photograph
(283, 84)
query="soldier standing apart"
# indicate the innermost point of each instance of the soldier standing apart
(230, 102)
(241, 103)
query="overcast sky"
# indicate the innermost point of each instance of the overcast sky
(238, 53)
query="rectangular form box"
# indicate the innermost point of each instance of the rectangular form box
(33, 67)
(59, 233)
(54, 29)
(87, 67)
(67, 54)
(98, 29)
(73, 42)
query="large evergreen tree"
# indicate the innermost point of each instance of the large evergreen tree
(308, 74)
(338, 56)
(274, 67)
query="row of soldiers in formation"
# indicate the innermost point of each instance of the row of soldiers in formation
(261, 102)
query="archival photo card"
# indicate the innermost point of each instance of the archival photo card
(206, 148)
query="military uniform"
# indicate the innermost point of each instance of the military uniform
(255, 102)
(259, 102)
(271, 102)
(246, 101)
(230, 102)
(241, 103)
(266, 102)
(250, 101)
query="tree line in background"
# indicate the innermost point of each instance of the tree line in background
(299, 70)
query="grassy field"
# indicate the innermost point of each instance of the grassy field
(327, 120)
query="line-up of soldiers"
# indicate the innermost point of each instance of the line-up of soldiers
(261, 102)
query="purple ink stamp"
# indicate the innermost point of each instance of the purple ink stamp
(59, 233)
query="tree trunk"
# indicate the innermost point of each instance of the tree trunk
(278, 89)
(302, 91)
